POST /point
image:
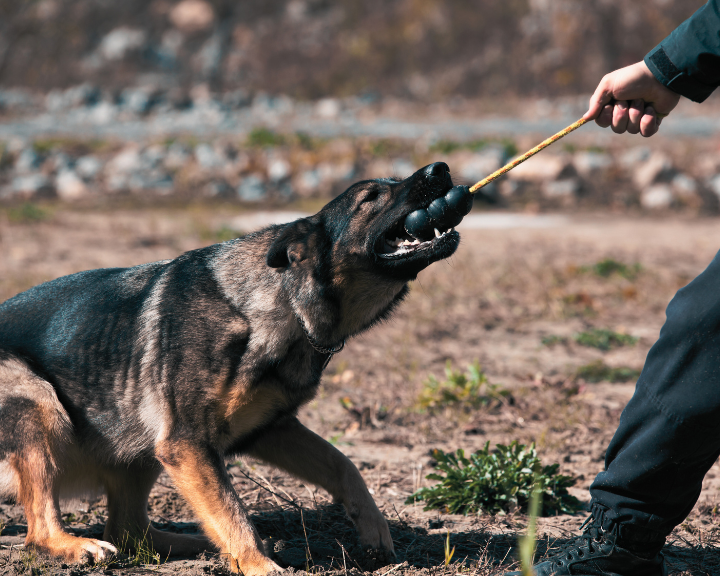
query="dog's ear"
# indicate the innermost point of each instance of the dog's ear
(291, 244)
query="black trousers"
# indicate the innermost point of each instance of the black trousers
(669, 433)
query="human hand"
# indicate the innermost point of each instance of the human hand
(631, 99)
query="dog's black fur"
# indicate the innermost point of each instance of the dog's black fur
(107, 376)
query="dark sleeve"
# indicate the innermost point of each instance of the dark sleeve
(688, 60)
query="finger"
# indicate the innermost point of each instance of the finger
(620, 117)
(601, 97)
(635, 114)
(605, 118)
(649, 122)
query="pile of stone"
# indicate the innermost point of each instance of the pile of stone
(636, 177)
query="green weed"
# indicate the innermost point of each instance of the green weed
(448, 553)
(308, 142)
(496, 481)
(27, 213)
(264, 138)
(553, 339)
(33, 563)
(528, 542)
(141, 551)
(603, 339)
(598, 371)
(469, 390)
(609, 266)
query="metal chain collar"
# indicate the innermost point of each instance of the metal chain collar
(315, 345)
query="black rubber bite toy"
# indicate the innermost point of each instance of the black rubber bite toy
(419, 225)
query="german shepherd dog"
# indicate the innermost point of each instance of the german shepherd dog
(108, 377)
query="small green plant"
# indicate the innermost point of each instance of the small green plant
(264, 138)
(141, 551)
(528, 542)
(552, 340)
(27, 213)
(448, 553)
(609, 266)
(598, 371)
(495, 481)
(471, 390)
(603, 339)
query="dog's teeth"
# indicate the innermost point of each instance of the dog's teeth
(437, 233)
(415, 242)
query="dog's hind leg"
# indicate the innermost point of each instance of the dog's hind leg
(128, 525)
(298, 450)
(35, 439)
(200, 476)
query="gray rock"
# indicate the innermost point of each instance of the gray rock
(120, 41)
(207, 157)
(155, 180)
(481, 164)
(237, 99)
(588, 163)
(32, 184)
(330, 172)
(125, 162)
(210, 55)
(278, 169)
(177, 156)
(88, 166)
(153, 156)
(631, 158)
(657, 197)
(251, 189)
(402, 167)
(308, 182)
(136, 100)
(329, 108)
(714, 184)
(27, 161)
(60, 161)
(657, 168)
(684, 186)
(566, 188)
(69, 185)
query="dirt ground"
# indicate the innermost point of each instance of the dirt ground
(503, 294)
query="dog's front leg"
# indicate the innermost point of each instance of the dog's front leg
(292, 447)
(200, 476)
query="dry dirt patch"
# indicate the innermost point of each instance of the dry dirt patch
(497, 300)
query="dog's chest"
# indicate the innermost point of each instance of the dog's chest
(271, 394)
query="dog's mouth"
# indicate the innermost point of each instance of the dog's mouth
(398, 243)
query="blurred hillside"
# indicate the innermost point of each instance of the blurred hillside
(420, 49)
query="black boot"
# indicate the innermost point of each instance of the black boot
(598, 553)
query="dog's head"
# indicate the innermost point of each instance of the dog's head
(348, 265)
(365, 227)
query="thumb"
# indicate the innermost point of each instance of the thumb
(601, 97)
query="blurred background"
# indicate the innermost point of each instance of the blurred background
(285, 102)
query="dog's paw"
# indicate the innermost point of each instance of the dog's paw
(74, 549)
(374, 558)
(93, 551)
(254, 566)
(374, 532)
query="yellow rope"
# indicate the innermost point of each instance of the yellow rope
(495, 175)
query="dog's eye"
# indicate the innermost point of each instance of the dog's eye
(371, 196)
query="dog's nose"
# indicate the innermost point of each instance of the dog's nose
(437, 169)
